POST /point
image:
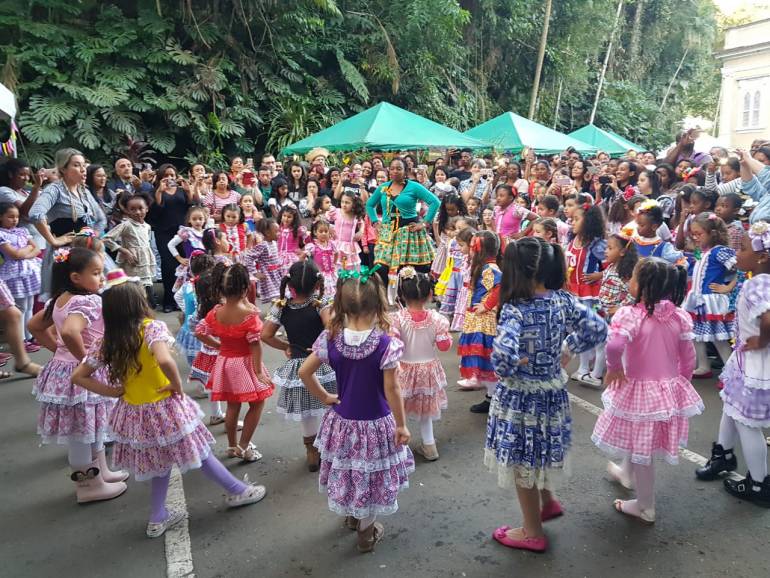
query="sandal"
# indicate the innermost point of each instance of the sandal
(30, 368)
(216, 420)
(232, 452)
(250, 454)
(5, 375)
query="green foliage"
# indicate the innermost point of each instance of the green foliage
(212, 78)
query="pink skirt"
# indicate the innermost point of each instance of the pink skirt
(151, 438)
(643, 419)
(423, 387)
(6, 299)
(234, 379)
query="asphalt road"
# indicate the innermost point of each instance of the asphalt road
(443, 527)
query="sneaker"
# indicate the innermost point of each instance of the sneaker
(251, 495)
(30, 346)
(470, 384)
(481, 407)
(157, 529)
(576, 376)
(216, 420)
(590, 381)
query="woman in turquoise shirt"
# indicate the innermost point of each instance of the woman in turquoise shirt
(402, 236)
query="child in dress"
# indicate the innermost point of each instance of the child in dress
(251, 215)
(585, 255)
(131, 239)
(190, 236)
(529, 429)
(509, 215)
(708, 301)
(323, 209)
(323, 252)
(420, 373)
(621, 260)
(444, 230)
(185, 299)
(11, 320)
(361, 479)
(746, 379)
(546, 229)
(303, 313)
(480, 324)
(464, 238)
(727, 208)
(235, 230)
(457, 250)
(349, 230)
(70, 415)
(263, 261)
(215, 243)
(20, 269)
(646, 237)
(155, 425)
(291, 239)
(238, 375)
(649, 397)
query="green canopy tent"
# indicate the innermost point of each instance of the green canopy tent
(605, 140)
(511, 132)
(385, 127)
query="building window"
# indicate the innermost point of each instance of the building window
(753, 106)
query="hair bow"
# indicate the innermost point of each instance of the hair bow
(476, 244)
(196, 252)
(86, 232)
(648, 205)
(759, 233)
(585, 206)
(407, 273)
(628, 193)
(363, 275)
(61, 255)
(691, 172)
(712, 217)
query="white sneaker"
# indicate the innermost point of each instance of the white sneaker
(157, 529)
(470, 384)
(590, 381)
(251, 495)
(576, 376)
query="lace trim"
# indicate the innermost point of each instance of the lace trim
(372, 510)
(739, 417)
(616, 452)
(361, 351)
(186, 467)
(524, 476)
(665, 415)
(295, 416)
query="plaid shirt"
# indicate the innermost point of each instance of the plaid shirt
(613, 292)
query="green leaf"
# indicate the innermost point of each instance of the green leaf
(50, 111)
(87, 131)
(353, 77)
(164, 143)
(40, 133)
(122, 121)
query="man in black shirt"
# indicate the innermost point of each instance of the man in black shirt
(463, 170)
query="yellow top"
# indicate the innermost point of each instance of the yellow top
(142, 387)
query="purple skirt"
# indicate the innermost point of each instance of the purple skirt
(151, 438)
(362, 470)
(747, 405)
(69, 412)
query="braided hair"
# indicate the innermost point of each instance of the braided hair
(304, 278)
(658, 280)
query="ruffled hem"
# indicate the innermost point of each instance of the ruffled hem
(480, 374)
(422, 406)
(297, 403)
(732, 373)
(638, 439)
(534, 385)
(660, 416)
(84, 422)
(54, 385)
(738, 416)
(365, 512)
(522, 476)
(425, 379)
(653, 400)
(287, 376)
(143, 475)
(155, 425)
(250, 397)
(300, 416)
(641, 459)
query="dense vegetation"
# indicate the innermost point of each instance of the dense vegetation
(206, 78)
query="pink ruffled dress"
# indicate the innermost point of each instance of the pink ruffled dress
(288, 244)
(67, 411)
(154, 431)
(345, 232)
(324, 257)
(648, 415)
(420, 372)
(233, 377)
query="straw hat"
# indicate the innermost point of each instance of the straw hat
(315, 153)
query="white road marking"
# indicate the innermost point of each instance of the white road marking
(688, 455)
(179, 561)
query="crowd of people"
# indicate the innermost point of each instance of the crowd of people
(363, 273)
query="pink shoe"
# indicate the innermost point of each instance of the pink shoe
(91, 487)
(531, 544)
(108, 475)
(31, 347)
(470, 384)
(551, 510)
(707, 375)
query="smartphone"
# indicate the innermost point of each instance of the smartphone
(250, 162)
(605, 180)
(562, 180)
(248, 178)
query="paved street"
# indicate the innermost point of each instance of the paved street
(443, 527)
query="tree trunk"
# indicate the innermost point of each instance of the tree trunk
(673, 79)
(606, 63)
(635, 44)
(540, 57)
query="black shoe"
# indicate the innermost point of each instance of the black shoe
(721, 461)
(481, 407)
(749, 490)
(168, 309)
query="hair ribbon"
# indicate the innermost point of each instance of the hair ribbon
(362, 276)
(61, 255)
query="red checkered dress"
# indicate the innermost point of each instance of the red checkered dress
(233, 377)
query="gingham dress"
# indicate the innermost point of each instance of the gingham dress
(21, 275)
(233, 377)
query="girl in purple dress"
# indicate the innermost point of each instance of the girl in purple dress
(263, 261)
(365, 461)
(20, 268)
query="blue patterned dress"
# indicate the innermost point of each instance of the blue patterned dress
(529, 428)
(713, 319)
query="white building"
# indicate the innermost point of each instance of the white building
(744, 111)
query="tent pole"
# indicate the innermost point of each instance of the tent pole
(540, 58)
(606, 63)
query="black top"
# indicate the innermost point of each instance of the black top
(303, 325)
(170, 214)
(461, 174)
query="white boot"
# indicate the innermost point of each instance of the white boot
(91, 486)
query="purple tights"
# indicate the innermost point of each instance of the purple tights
(211, 467)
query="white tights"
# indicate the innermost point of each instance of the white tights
(643, 478)
(753, 444)
(585, 361)
(309, 426)
(703, 365)
(25, 305)
(426, 431)
(600, 365)
(81, 455)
